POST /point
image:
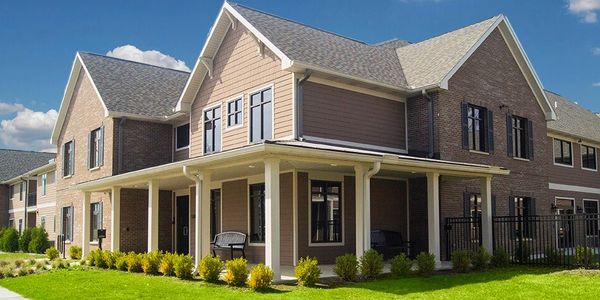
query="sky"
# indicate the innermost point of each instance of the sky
(39, 39)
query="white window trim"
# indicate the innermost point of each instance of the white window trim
(95, 165)
(554, 154)
(72, 141)
(595, 157)
(215, 105)
(239, 97)
(322, 176)
(189, 136)
(44, 183)
(572, 199)
(258, 90)
(598, 210)
(253, 180)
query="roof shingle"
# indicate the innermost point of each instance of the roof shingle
(16, 162)
(573, 119)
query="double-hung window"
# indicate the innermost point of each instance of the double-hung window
(476, 121)
(68, 157)
(96, 217)
(182, 136)
(234, 112)
(523, 207)
(212, 130)
(326, 212)
(44, 183)
(588, 157)
(563, 153)
(67, 223)
(261, 116)
(257, 213)
(519, 137)
(96, 144)
(590, 208)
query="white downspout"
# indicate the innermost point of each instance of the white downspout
(367, 204)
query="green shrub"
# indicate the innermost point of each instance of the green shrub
(9, 241)
(19, 262)
(39, 266)
(401, 265)
(237, 271)
(553, 257)
(108, 259)
(52, 253)
(8, 272)
(166, 264)
(522, 252)
(121, 262)
(261, 277)
(371, 264)
(307, 271)
(60, 264)
(25, 239)
(133, 262)
(425, 263)
(584, 256)
(346, 267)
(96, 258)
(150, 262)
(39, 240)
(75, 252)
(183, 266)
(23, 271)
(500, 259)
(461, 261)
(210, 268)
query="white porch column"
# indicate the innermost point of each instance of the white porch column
(115, 218)
(85, 234)
(272, 216)
(433, 214)
(153, 215)
(486, 214)
(197, 221)
(205, 214)
(359, 186)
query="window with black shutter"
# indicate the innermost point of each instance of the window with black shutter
(478, 128)
(519, 137)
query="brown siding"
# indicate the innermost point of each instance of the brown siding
(145, 145)
(575, 175)
(339, 114)
(286, 183)
(418, 214)
(239, 69)
(388, 205)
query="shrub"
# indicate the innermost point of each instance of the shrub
(552, 256)
(461, 261)
(425, 264)
(109, 259)
(60, 264)
(23, 271)
(182, 266)
(261, 277)
(150, 262)
(307, 271)
(75, 252)
(39, 240)
(121, 262)
(237, 271)
(39, 266)
(25, 239)
(8, 272)
(401, 265)
(346, 267)
(584, 256)
(96, 258)
(210, 268)
(166, 264)
(500, 259)
(522, 252)
(480, 259)
(9, 241)
(371, 264)
(133, 262)
(19, 262)
(52, 253)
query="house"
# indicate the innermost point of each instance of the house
(305, 140)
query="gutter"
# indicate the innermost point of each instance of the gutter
(120, 148)
(430, 123)
(299, 98)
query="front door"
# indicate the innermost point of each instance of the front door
(566, 211)
(183, 224)
(215, 212)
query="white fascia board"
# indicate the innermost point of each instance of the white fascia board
(66, 100)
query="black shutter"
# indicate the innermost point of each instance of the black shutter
(511, 206)
(530, 139)
(464, 125)
(509, 135)
(490, 131)
(467, 204)
(531, 207)
(493, 205)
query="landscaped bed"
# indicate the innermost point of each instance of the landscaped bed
(513, 282)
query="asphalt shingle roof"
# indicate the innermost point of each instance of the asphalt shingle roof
(133, 87)
(16, 162)
(573, 119)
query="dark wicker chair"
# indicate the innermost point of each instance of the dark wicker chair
(229, 240)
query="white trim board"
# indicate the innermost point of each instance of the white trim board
(354, 145)
(573, 188)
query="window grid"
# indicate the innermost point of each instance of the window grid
(519, 137)
(476, 123)
(563, 152)
(234, 112)
(326, 212)
(588, 157)
(212, 130)
(261, 126)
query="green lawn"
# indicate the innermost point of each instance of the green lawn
(520, 283)
(6, 256)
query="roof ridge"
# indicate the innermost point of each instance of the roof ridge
(451, 31)
(389, 41)
(30, 151)
(133, 61)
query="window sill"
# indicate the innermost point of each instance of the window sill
(234, 127)
(95, 168)
(67, 177)
(94, 242)
(256, 244)
(521, 159)
(591, 170)
(563, 165)
(479, 152)
(182, 148)
(311, 244)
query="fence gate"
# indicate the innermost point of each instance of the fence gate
(462, 234)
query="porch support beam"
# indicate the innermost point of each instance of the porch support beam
(115, 218)
(359, 186)
(204, 216)
(85, 235)
(153, 215)
(272, 217)
(486, 214)
(433, 214)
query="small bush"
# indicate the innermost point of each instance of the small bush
(182, 266)
(8, 272)
(121, 262)
(108, 259)
(210, 268)
(480, 259)
(425, 264)
(307, 271)
(237, 271)
(150, 262)
(75, 252)
(461, 261)
(9, 240)
(346, 267)
(500, 259)
(59, 264)
(25, 239)
(133, 262)
(39, 266)
(371, 264)
(19, 262)
(552, 256)
(261, 277)
(23, 271)
(401, 265)
(584, 256)
(39, 240)
(98, 259)
(166, 264)
(52, 253)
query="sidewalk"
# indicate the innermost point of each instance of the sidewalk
(6, 294)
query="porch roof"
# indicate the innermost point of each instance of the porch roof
(296, 150)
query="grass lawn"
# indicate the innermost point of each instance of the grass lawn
(6, 256)
(520, 283)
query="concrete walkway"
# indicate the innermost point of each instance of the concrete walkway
(6, 294)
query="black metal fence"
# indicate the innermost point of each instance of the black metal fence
(60, 244)
(569, 240)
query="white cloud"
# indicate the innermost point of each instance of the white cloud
(152, 57)
(587, 9)
(28, 130)
(596, 84)
(10, 108)
(596, 50)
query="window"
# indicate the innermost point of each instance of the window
(257, 213)
(11, 191)
(523, 207)
(20, 226)
(473, 207)
(588, 157)
(215, 212)
(67, 223)
(519, 137)
(326, 212)
(43, 222)
(68, 157)
(590, 207)
(96, 218)
(96, 150)
(11, 222)
(44, 183)
(261, 125)
(562, 152)
(182, 136)
(212, 130)
(23, 192)
(234, 112)
(476, 123)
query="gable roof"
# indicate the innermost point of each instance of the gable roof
(125, 88)
(18, 162)
(573, 119)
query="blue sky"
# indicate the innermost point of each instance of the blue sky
(38, 41)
